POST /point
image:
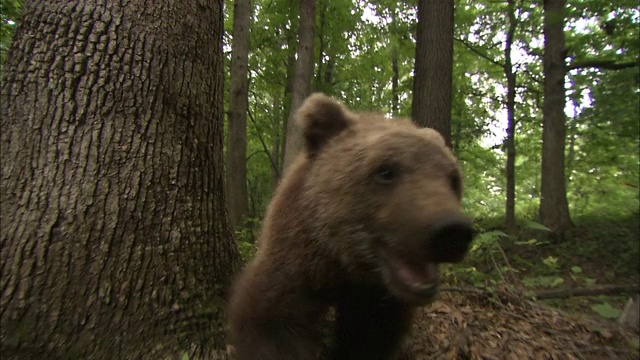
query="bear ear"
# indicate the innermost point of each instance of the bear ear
(321, 118)
(433, 135)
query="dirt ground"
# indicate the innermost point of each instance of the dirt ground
(474, 325)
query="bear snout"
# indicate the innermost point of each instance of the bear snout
(449, 238)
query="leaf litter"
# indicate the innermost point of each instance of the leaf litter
(501, 325)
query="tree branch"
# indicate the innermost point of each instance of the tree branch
(602, 64)
(479, 53)
(557, 294)
(600, 290)
(264, 145)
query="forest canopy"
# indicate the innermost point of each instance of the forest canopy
(361, 47)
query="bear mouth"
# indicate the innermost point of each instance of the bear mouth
(413, 283)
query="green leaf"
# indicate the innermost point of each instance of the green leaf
(536, 226)
(606, 310)
(576, 269)
(489, 237)
(551, 262)
(542, 281)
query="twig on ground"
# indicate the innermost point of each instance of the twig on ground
(601, 290)
(506, 261)
(477, 291)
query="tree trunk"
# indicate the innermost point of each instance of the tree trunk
(114, 238)
(326, 61)
(288, 88)
(237, 202)
(573, 129)
(554, 209)
(395, 77)
(395, 99)
(322, 11)
(276, 130)
(431, 106)
(302, 78)
(328, 74)
(511, 122)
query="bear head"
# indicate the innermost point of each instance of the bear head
(384, 196)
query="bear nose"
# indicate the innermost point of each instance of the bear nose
(449, 237)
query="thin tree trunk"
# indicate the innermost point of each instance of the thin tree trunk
(456, 134)
(395, 78)
(431, 106)
(288, 89)
(572, 136)
(322, 7)
(326, 62)
(554, 208)
(394, 83)
(114, 243)
(511, 122)
(275, 141)
(237, 202)
(302, 77)
(328, 75)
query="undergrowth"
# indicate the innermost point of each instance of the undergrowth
(597, 251)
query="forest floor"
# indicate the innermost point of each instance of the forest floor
(503, 326)
(485, 318)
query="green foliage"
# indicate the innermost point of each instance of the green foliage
(9, 15)
(606, 310)
(246, 239)
(356, 40)
(551, 262)
(542, 281)
(536, 226)
(246, 250)
(578, 276)
(487, 240)
(598, 251)
(600, 239)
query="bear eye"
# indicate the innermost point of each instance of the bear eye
(385, 174)
(455, 182)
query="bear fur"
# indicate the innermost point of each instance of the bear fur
(359, 223)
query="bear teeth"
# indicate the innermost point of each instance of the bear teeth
(422, 286)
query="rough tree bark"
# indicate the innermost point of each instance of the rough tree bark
(237, 197)
(554, 208)
(114, 242)
(510, 141)
(302, 78)
(431, 105)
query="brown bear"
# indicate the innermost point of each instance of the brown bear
(359, 223)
